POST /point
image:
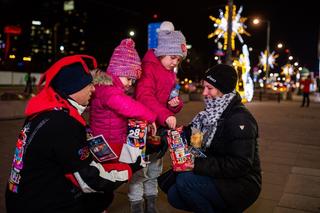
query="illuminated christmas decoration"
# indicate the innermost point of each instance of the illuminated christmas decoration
(221, 24)
(245, 84)
(287, 69)
(271, 59)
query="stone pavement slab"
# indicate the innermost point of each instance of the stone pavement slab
(262, 206)
(12, 109)
(303, 185)
(300, 202)
(287, 210)
(302, 190)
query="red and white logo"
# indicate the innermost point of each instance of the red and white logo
(184, 48)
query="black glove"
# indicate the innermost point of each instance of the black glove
(186, 132)
(136, 166)
(164, 143)
(152, 148)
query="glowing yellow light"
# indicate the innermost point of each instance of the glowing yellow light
(12, 56)
(256, 21)
(186, 80)
(190, 81)
(280, 45)
(26, 58)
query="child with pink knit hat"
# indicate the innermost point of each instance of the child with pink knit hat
(157, 82)
(111, 106)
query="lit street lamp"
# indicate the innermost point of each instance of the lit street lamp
(257, 21)
(131, 33)
(279, 45)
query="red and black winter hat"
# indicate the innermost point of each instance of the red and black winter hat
(223, 77)
(67, 70)
(71, 79)
(69, 75)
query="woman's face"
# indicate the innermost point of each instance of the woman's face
(170, 61)
(127, 82)
(210, 91)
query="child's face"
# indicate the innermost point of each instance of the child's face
(170, 61)
(127, 82)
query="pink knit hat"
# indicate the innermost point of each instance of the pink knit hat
(125, 61)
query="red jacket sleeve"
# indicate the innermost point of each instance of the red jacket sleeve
(146, 94)
(177, 108)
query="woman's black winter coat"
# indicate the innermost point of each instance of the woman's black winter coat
(233, 158)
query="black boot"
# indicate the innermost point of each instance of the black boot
(136, 206)
(151, 204)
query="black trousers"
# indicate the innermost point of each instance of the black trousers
(97, 202)
(305, 97)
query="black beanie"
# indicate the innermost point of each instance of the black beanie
(71, 79)
(223, 77)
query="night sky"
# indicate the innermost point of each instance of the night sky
(294, 24)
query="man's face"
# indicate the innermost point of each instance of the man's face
(170, 61)
(83, 96)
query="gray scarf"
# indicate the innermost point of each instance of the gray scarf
(206, 121)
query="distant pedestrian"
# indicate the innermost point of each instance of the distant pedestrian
(158, 91)
(305, 86)
(228, 177)
(29, 86)
(53, 169)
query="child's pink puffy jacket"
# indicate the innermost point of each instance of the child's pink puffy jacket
(110, 110)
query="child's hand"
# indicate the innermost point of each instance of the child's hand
(153, 128)
(171, 122)
(174, 102)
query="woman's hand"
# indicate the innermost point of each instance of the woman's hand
(171, 121)
(174, 102)
(189, 166)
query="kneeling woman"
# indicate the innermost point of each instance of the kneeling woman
(229, 178)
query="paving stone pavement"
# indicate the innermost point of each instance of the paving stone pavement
(289, 150)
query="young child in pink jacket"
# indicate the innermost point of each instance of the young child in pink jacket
(111, 106)
(153, 89)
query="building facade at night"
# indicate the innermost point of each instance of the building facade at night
(44, 40)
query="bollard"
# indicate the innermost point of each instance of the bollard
(279, 97)
(260, 95)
